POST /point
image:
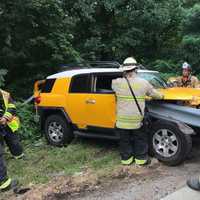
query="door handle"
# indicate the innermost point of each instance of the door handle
(90, 101)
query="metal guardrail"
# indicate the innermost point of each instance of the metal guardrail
(187, 115)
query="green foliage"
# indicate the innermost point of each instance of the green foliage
(29, 130)
(164, 66)
(191, 21)
(189, 3)
(3, 72)
(36, 36)
(191, 38)
(191, 47)
(116, 29)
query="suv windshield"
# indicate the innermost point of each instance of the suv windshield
(154, 78)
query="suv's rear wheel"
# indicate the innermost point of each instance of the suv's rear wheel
(169, 144)
(57, 131)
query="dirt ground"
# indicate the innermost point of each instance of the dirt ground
(158, 182)
(125, 183)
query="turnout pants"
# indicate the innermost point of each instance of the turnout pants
(133, 143)
(3, 170)
(13, 142)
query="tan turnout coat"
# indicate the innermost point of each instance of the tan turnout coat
(192, 82)
(128, 115)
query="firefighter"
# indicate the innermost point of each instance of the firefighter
(186, 80)
(133, 144)
(6, 183)
(9, 124)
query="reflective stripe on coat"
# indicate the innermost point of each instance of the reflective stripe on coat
(9, 112)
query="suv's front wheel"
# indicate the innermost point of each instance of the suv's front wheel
(57, 131)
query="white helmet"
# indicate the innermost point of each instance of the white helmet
(129, 64)
(186, 66)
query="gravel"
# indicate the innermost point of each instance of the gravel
(158, 182)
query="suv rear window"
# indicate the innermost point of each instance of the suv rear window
(81, 84)
(48, 85)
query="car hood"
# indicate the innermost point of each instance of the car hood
(181, 93)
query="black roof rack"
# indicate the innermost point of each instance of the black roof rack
(140, 66)
(104, 64)
(93, 64)
(89, 64)
(70, 66)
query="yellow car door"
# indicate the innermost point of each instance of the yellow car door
(101, 106)
(77, 99)
(101, 110)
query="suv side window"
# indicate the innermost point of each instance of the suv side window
(81, 84)
(103, 82)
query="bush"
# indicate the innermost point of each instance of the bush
(191, 37)
(191, 50)
(29, 130)
(3, 72)
(165, 66)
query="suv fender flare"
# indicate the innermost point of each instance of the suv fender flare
(46, 111)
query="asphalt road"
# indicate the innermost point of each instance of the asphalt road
(158, 182)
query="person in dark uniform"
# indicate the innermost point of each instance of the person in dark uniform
(10, 123)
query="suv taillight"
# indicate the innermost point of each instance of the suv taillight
(38, 100)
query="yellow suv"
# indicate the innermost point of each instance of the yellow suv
(81, 102)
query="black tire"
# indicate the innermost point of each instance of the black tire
(181, 142)
(61, 132)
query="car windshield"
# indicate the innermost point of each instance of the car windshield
(154, 78)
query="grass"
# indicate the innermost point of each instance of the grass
(44, 162)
